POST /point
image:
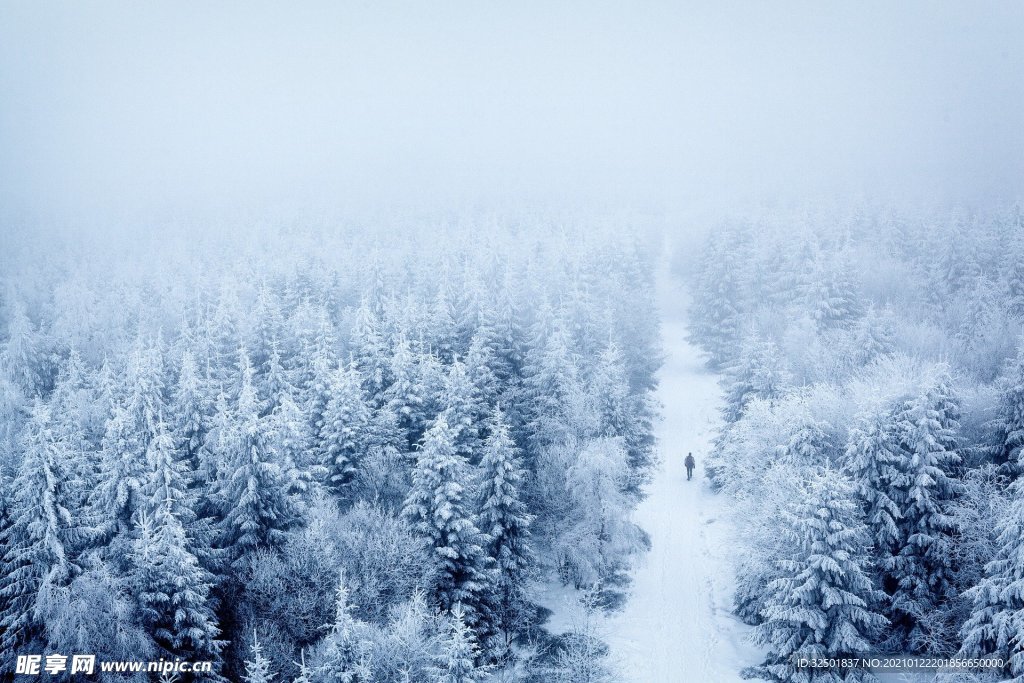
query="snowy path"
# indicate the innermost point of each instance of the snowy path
(676, 625)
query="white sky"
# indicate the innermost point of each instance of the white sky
(148, 106)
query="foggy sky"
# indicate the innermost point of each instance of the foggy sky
(145, 106)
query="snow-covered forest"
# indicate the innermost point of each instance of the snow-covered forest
(360, 458)
(556, 341)
(872, 429)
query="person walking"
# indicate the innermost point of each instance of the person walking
(690, 464)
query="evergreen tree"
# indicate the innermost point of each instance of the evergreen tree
(172, 589)
(715, 318)
(505, 521)
(480, 362)
(71, 409)
(460, 652)
(346, 423)
(757, 373)
(873, 336)
(623, 414)
(1014, 287)
(342, 657)
(260, 493)
(166, 482)
(371, 353)
(275, 385)
(461, 411)
(130, 430)
(438, 507)
(189, 409)
(926, 427)
(551, 385)
(877, 467)
(407, 398)
(831, 295)
(122, 472)
(507, 342)
(23, 355)
(995, 627)
(823, 604)
(36, 543)
(257, 669)
(315, 385)
(1009, 423)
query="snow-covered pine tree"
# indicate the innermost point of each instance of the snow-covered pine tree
(505, 521)
(73, 411)
(995, 627)
(259, 491)
(597, 536)
(458, 660)
(551, 382)
(342, 657)
(122, 472)
(717, 309)
(831, 294)
(758, 372)
(267, 328)
(876, 464)
(873, 336)
(172, 588)
(441, 323)
(823, 604)
(480, 362)
(189, 410)
(274, 381)
(406, 398)
(166, 482)
(257, 668)
(131, 428)
(624, 414)
(461, 411)
(927, 431)
(508, 340)
(35, 545)
(313, 380)
(23, 354)
(1009, 423)
(221, 334)
(438, 507)
(1013, 297)
(346, 422)
(371, 353)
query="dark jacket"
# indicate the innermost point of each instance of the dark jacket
(689, 462)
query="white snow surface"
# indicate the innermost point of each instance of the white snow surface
(677, 624)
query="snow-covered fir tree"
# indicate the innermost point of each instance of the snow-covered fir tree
(995, 627)
(1009, 422)
(460, 654)
(37, 542)
(505, 521)
(757, 373)
(342, 657)
(257, 668)
(346, 426)
(174, 591)
(439, 507)
(923, 567)
(259, 493)
(824, 603)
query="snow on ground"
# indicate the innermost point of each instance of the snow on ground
(677, 624)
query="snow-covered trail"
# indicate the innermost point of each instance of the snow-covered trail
(676, 624)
